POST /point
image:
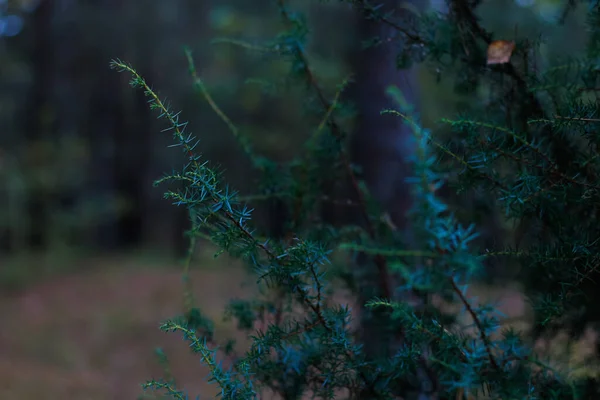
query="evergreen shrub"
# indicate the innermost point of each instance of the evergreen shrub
(530, 151)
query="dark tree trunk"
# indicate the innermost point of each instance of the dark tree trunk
(133, 158)
(35, 128)
(381, 147)
(109, 177)
(382, 143)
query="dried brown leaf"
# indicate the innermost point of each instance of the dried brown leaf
(499, 51)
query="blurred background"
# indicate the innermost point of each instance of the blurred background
(89, 249)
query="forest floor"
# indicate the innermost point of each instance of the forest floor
(91, 335)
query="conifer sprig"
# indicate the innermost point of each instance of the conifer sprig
(296, 266)
(540, 165)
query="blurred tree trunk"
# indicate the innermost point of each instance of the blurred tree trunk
(36, 128)
(381, 146)
(114, 155)
(133, 161)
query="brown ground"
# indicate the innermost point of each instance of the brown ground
(91, 335)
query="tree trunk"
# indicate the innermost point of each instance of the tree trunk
(381, 146)
(35, 127)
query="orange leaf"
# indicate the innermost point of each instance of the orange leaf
(499, 52)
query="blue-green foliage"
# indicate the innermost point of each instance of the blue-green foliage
(540, 165)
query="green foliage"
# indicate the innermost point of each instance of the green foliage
(531, 150)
